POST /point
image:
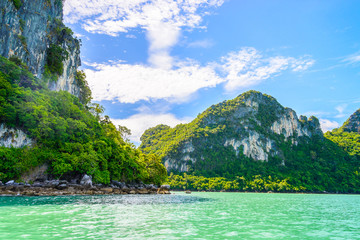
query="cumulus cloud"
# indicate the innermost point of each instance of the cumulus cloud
(162, 20)
(128, 83)
(327, 125)
(164, 77)
(131, 83)
(138, 123)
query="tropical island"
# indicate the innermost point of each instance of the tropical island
(252, 143)
(53, 137)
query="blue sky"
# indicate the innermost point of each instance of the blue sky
(162, 61)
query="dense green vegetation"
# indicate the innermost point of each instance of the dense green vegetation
(85, 92)
(17, 3)
(313, 164)
(349, 141)
(315, 167)
(70, 137)
(55, 55)
(163, 140)
(256, 183)
(23, 40)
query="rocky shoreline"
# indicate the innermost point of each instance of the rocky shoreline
(85, 187)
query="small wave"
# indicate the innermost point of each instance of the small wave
(106, 199)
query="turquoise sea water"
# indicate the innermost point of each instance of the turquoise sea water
(181, 216)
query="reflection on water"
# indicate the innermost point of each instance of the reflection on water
(103, 199)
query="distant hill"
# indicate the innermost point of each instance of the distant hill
(348, 135)
(253, 135)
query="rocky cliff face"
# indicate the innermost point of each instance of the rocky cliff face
(252, 125)
(10, 137)
(28, 30)
(353, 123)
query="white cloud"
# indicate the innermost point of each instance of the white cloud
(162, 19)
(79, 35)
(248, 67)
(206, 43)
(302, 64)
(341, 108)
(327, 125)
(128, 83)
(138, 123)
(130, 36)
(162, 36)
(131, 83)
(353, 58)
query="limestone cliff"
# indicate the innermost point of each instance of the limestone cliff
(253, 125)
(353, 123)
(10, 137)
(28, 30)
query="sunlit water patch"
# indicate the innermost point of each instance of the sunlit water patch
(180, 216)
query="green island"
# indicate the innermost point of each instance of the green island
(236, 146)
(250, 143)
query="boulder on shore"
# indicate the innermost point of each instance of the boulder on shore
(62, 186)
(11, 182)
(165, 187)
(120, 185)
(86, 181)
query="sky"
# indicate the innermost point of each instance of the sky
(164, 62)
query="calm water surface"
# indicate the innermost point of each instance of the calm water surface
(180, 216)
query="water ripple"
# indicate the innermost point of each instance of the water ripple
(180, 216)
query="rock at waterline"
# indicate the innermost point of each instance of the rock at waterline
(86, 181)
(106, 190)
(121, 185)
(11, 182)
(167, 187)
(164, 189)
(62, 186)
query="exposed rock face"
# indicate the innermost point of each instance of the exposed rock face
(353, 123)
(254, 125)
(10, 137)
(289, 125)
(36, 174)
(253, 146)
(176, 164)
(27, 32)
(188, 147)
(86, 181)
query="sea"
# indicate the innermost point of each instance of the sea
(199, 215)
